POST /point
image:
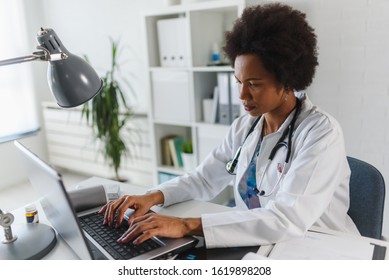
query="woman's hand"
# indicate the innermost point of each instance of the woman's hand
(140, 203)
(149, 225)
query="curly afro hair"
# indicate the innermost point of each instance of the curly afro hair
(282, 39)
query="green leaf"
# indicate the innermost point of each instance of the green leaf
(104, 115)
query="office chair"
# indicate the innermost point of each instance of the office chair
(367, 198)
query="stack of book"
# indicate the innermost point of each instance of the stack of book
(171, 147)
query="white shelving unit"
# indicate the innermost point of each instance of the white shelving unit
(176, 92)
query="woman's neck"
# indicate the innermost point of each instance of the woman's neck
(273, 120)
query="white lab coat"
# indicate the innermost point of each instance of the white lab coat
(314, 190)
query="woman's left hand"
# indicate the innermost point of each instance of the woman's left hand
(152, 224)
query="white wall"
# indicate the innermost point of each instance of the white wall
(85, 28)
(352, 81)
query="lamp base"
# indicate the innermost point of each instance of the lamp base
(33, 242)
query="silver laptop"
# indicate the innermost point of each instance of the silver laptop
(94, 241)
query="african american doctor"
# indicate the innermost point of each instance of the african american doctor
(286, 157)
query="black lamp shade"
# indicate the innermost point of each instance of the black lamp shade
(71, 80)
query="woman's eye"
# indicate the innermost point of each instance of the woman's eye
(254, 85)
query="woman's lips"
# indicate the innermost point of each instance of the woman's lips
(249, 108)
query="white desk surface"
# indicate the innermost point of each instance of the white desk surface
(62, 251)
(192, 208)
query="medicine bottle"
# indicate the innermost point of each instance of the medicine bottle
(215, 53)
(31, 214)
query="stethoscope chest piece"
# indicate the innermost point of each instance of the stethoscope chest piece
(230, 168)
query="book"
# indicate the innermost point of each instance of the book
(166, 155)
(175, 145)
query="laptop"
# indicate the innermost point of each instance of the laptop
(84, 232)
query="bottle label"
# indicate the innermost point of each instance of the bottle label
(32, 217)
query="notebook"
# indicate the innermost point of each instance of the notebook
(61, 214)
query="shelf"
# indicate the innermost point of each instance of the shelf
(177, 91)
(174, 123)
(212, 69)
(171, 170)
(224, 68)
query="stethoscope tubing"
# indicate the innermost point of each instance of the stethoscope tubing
(262, 192)
(230, 165)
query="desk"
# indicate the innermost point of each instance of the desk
(62, 251)
(186, 209)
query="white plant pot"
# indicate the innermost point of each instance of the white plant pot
(188, 161)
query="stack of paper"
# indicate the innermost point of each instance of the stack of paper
(321, 246)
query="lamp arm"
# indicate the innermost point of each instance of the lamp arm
(35, 56)
(42, 55)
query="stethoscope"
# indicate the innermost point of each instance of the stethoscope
(231, 165)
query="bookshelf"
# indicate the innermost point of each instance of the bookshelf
(179, 75)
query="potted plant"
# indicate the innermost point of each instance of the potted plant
(188, 158)
(108, 113)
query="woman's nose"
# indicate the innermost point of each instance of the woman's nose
(244, 93)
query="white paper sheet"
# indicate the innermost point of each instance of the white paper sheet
(320, 246)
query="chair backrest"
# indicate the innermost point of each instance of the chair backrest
(367, 198)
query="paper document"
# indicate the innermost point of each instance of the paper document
(321, 246)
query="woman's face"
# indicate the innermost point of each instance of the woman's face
(258, 89)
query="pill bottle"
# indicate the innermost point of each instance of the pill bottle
(31, 214)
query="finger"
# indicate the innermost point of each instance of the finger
(146, 235)
(129, 235)
(105, 210)
(126, 237)
(137, 217)
(102, 210)
(121, 210)
(111, 210)
(137, 227)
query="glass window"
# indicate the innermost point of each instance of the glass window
(18, 116)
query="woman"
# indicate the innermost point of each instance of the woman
(273, 52)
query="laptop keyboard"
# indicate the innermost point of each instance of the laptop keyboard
(106, 237)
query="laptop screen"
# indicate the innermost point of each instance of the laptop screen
(55, 201)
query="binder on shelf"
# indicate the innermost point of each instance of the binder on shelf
(173, 48)
(215, 105)
(224, 98)
(229, 102)
(236, 103)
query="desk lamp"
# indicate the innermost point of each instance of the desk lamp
(73, 82)
(32, 241)
(71, 79)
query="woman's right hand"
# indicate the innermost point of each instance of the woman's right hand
(140, 203)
